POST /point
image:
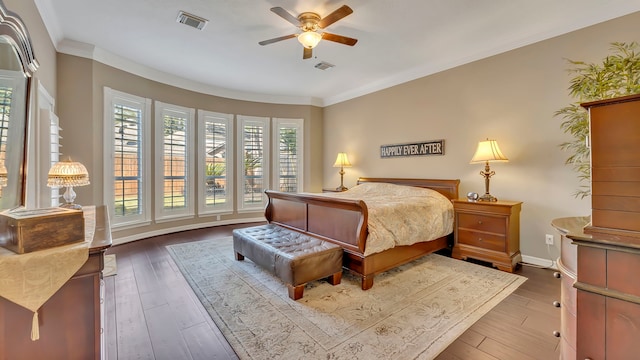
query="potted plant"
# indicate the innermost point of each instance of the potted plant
(617, 75)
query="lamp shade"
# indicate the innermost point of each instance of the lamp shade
(488, 150)
(67, 173)
(309, 39)
(342, 160)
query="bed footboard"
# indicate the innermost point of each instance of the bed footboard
(340, 221)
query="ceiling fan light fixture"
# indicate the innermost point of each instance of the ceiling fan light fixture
(309, 39)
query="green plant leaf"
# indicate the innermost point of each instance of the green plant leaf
(617, 75)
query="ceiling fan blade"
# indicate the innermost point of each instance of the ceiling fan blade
(339, 39)
(271, 41)
(334, 16)
(307, 53)
(286, 15)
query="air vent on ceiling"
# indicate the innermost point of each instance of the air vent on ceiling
(323, 65)
(191, 20)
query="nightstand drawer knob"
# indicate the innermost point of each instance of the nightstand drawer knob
(556, 304)
(557, 275)
(556, 333)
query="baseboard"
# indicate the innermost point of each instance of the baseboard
(148, 234)
(536, 261)
(542, 262)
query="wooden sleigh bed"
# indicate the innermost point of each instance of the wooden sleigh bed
(344, 222)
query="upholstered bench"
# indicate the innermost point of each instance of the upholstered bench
(294, 257)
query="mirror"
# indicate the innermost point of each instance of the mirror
(17, 65)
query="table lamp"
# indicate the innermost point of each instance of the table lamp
(68, 174)
(488, 151)
(342, 162)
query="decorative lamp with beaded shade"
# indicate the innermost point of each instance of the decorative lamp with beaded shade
(68, 174)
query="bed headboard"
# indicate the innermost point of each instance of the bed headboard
(448, 188)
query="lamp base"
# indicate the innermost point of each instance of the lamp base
(71, 206)
(341, 188)
(487, 197)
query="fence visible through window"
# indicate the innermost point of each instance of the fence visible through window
(127, 161)
(253, 162)
(175, 164)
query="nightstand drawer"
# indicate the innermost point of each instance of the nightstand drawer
(481, 240)
(492, 224)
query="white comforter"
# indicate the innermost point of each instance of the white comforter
(401, 215)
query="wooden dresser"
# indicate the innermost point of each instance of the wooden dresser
(488, 231)
(70, 323)
(608, 248)
(570, 227)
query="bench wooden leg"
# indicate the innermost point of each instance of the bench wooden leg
(295, 292)
(239, 256)
(335, 278)
(367, 282)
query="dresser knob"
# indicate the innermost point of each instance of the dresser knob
(479, 222)
(479, 239)
(556, 304)
(556, 333)
(557, 275)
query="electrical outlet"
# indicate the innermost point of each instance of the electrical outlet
(548, 238)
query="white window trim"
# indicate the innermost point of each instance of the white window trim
(298, 124)
(227, 119)
(111, 97)
(266, 164)
(162, 214)
(47, 147)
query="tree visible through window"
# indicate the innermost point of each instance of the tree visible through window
(216, 161)
(174, 161)
(254, 143)
(288, 148)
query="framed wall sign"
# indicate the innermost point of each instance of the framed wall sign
(432, 147)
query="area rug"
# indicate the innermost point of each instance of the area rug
(412, 312)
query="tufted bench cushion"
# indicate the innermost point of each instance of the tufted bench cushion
(294, 257)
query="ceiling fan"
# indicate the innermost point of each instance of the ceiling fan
(309, 23)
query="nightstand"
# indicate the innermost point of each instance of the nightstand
(331, 190)
(488, 231)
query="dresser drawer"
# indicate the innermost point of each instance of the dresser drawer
(481, 240)
(487, 223)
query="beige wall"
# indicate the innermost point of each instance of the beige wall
(510, 97)
(44, 50)
(80, 106)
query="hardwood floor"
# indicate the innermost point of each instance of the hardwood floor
(152, 313)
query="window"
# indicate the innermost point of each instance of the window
(12, 91)
(215, 163)
(127, 190)
(287, 150)
(253, 162)
(174, 161)
(6, 96)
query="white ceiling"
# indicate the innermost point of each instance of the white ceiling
(398, 40)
